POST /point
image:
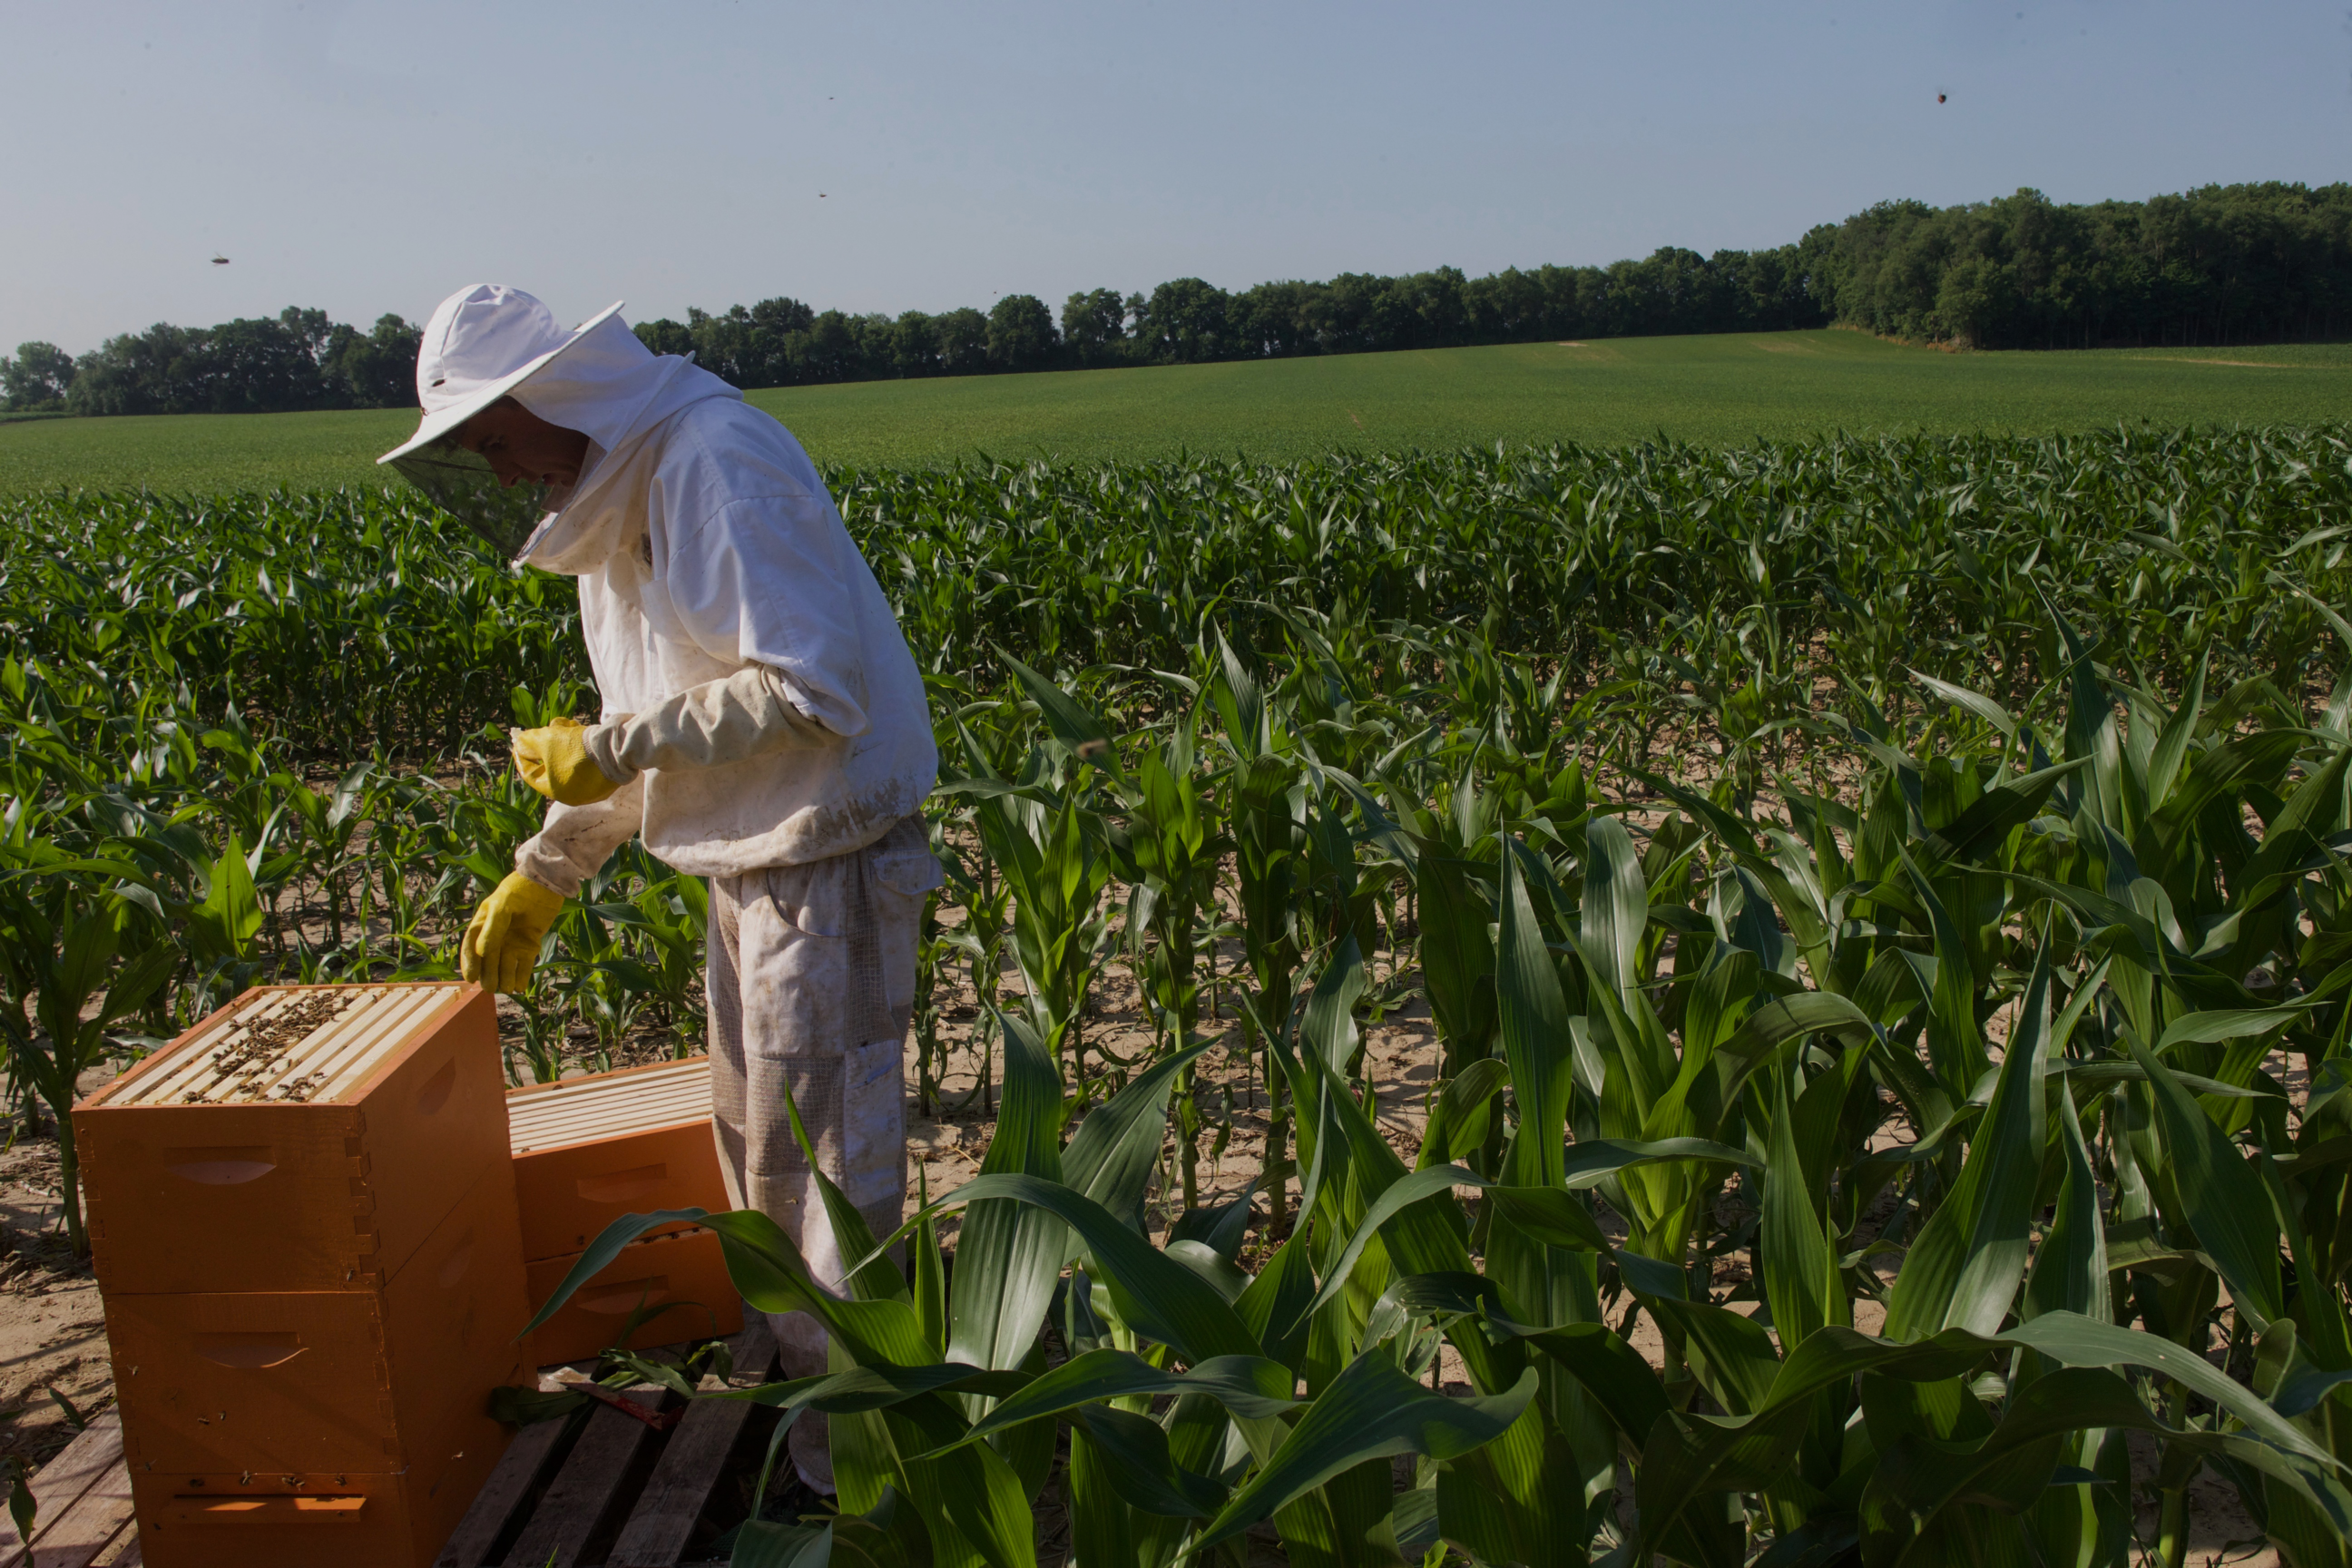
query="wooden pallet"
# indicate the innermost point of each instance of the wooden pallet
(84, 1498)
(609, 1488)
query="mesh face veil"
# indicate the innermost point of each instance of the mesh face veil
(461, 483)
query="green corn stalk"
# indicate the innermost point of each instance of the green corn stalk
(985, 898)
(1166, 846)
(1170, 841)
(1264, 794)
(1046, 844)
(77, 957)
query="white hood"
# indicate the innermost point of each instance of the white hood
(614, 390)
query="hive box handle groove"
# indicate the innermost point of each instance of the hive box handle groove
(266, 1510)
(249, 1352)
(224, 1166)
(459, 1263)
(435, 1092)
(623, 1297)
(620, 1186)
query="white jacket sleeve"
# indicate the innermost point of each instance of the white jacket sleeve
(748, 714)
(775, 580)
(576, 841)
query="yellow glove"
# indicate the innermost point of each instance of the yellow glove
(502, 941)
(555, 762)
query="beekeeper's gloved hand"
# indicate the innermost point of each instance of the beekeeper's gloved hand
(554, 761)
(502, 941)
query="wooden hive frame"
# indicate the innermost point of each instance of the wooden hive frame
(544, 1116)
(240, 1056)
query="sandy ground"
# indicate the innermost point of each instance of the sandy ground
(52, 1321)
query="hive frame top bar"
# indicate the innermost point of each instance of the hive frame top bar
(285, 1044)
(582, 1109)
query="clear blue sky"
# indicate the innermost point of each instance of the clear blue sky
(368, 158)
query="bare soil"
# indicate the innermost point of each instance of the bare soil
(52, 1321)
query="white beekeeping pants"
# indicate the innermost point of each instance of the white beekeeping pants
(812, 987)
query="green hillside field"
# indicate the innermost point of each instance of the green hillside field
(1717, 390)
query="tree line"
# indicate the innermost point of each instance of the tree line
(2218, 265)
(266, 365)
(784, 342)
(2222, 264)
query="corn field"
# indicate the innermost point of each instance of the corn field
(1883, 906)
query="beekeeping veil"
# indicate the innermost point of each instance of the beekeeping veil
(490, 341)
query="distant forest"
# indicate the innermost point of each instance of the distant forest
(2220, 264)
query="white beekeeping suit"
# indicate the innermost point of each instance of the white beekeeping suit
(760, 703)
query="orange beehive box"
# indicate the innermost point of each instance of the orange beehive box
(686, 1267)
(305, 1227)
(589, 1149)
(329, 1379)
(302, 1138)
(586, 1152)
(329, 1425)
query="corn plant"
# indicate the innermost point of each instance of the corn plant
(1047, 845)
(1164, 841)
(1702, 1031)
(76, 958)
(984, 897)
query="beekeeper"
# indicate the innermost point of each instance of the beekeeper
(763, 726)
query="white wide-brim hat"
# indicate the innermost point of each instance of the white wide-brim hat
(444, 365)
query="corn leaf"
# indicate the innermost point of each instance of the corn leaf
(1371, 1411)
(1250, 1386)
(1009, 1255)
(1966, 1267)
(2223, 1200)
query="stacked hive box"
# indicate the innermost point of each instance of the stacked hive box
(588, 1151)
(304, 1223)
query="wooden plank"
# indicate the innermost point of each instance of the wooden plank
(586, 1491)
(90, 1525)
(526, 1463)
(663, 1521)
(85, 1462)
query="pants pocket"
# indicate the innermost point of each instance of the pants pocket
(903, 863)
(813, 899)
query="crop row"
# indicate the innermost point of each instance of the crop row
(1730, 578)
